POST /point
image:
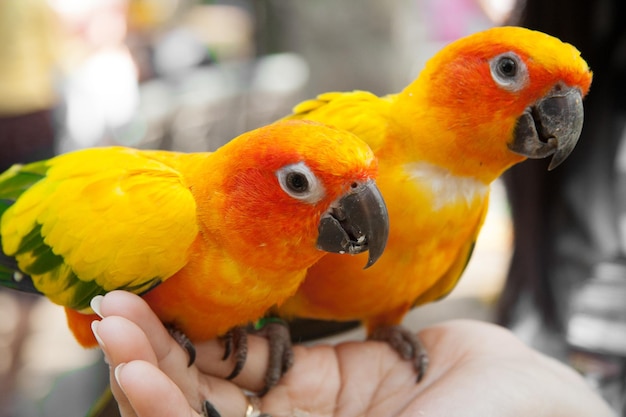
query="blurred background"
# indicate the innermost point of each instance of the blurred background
(189, 75)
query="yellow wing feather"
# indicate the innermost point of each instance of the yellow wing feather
(359, 112)
(114, 216)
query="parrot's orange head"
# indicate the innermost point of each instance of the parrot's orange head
(517, 91)
(294, 189)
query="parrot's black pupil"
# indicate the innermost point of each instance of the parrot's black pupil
(508, 67)
(297, 182)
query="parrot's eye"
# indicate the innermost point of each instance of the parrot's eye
(299, 182)
(509, 71)
(507, 67)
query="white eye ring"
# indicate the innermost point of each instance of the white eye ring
(509, 71)
(299, 182)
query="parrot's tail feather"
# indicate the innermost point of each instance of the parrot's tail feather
(104, 406)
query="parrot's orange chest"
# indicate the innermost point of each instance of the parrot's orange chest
(207, 297)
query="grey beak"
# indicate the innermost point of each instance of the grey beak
(356, 223)
(551, 126)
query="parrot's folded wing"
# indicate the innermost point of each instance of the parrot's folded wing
(101, 219)
(448, 281)
(359, 112)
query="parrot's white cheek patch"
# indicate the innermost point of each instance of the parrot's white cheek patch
(446, 187)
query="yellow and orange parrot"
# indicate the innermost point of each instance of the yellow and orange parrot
(210, 240)
(482, 104)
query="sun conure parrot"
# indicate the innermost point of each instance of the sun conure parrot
(481, 104)
(210, 240)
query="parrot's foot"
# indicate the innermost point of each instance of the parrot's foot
(182, 339)
(276, 331)
(236, 344)
(406, 343)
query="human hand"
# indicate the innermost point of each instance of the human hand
(475, 369)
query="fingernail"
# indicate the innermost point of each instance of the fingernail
(116, 374)
(94, 330)
(95, 304)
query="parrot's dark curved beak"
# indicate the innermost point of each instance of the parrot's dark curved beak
(551, 126)
(356, 223)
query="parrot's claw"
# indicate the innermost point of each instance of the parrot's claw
(208, 410)
(236, 344)
(406, 343)
(276, 331)
(182, 339)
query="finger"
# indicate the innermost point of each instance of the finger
(109, 334)
(170, 355)
(160, 398)
(125, 339)
(122, 341)
(135, 309)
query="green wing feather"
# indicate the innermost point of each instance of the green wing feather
(19, 178)
(13, 182)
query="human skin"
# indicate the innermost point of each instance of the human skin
(476, 369)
